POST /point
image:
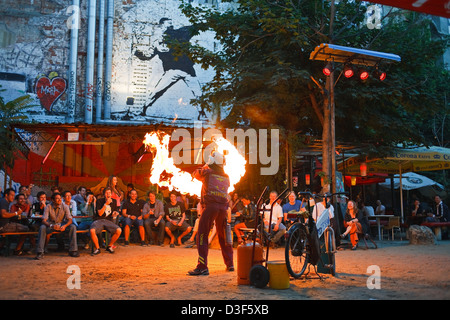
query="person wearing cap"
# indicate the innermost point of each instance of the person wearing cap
(215, 184)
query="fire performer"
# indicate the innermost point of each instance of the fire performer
(215, 184)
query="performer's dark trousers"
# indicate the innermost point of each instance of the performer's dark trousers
(218, 213)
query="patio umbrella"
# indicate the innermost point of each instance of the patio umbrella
(411, 181)
(399, 162)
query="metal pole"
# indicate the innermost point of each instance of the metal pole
(73, 47)
(101, 44)
(108, 59)
(89, 90)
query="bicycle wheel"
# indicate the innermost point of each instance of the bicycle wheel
(330, 252)
(296, 253)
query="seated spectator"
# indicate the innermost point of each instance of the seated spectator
(100, 193)
(38, 207)
(247, 218)
(55, 189)
(88, 210)
(22, 204)
(416, 213)
(175, 216)
(292, 205)
(352, 224)
(363, 218)
(130, 187)
(7, 224)
(440, 213)
(193, 238)
(153, 214)
(277, 227)
(132, 212)
(235, 205)
(57, 218)
(80, 197)
(380, 208)
(107, 210)
(67, 200)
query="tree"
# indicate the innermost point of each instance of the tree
(11, 112)
(263, 73)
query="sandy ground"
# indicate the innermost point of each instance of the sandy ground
(135, 272)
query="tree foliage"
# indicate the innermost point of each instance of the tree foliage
(263, 71)
(265, 78)
(11, 112)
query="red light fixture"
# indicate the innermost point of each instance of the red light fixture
(348, 71)
(363, 74)
(363, 169)
(380, 75)
(328, 69)
(307, 179)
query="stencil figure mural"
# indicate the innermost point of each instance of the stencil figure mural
(180, 69)
(153, 84)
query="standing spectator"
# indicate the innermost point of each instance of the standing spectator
(116, 192)
(175, 214)
(132, 212)
(57, 218)
(277, 227)
(6, 218)
(153, 214)
(107, 210)
(380, 208)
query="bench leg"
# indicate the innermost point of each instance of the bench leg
(437, 233)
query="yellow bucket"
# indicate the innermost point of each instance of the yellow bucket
(279, 275)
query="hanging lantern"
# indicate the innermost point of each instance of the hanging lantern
(307, 179)
(363, 169)
(322, 181)
(353, 181)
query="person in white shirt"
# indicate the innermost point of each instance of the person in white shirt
(278, 228)
(380, 208)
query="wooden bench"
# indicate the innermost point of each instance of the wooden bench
(436, 227)
(7, 235)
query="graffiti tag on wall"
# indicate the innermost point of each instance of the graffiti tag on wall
(50, 89)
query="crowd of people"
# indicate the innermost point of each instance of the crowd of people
(118, 211)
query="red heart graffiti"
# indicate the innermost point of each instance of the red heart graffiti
(49, 91)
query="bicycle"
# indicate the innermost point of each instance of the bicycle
(302, 245)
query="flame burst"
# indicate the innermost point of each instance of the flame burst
(164, 173)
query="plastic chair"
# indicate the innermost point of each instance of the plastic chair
(393, 225)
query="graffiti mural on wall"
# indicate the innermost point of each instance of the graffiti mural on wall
(50, 89)
(155, 85)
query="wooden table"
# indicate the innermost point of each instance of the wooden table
(378, 218)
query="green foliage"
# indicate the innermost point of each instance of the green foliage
(11, 112)
(263, 73)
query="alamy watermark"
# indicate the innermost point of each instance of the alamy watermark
(374, 280)
(263, 146)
